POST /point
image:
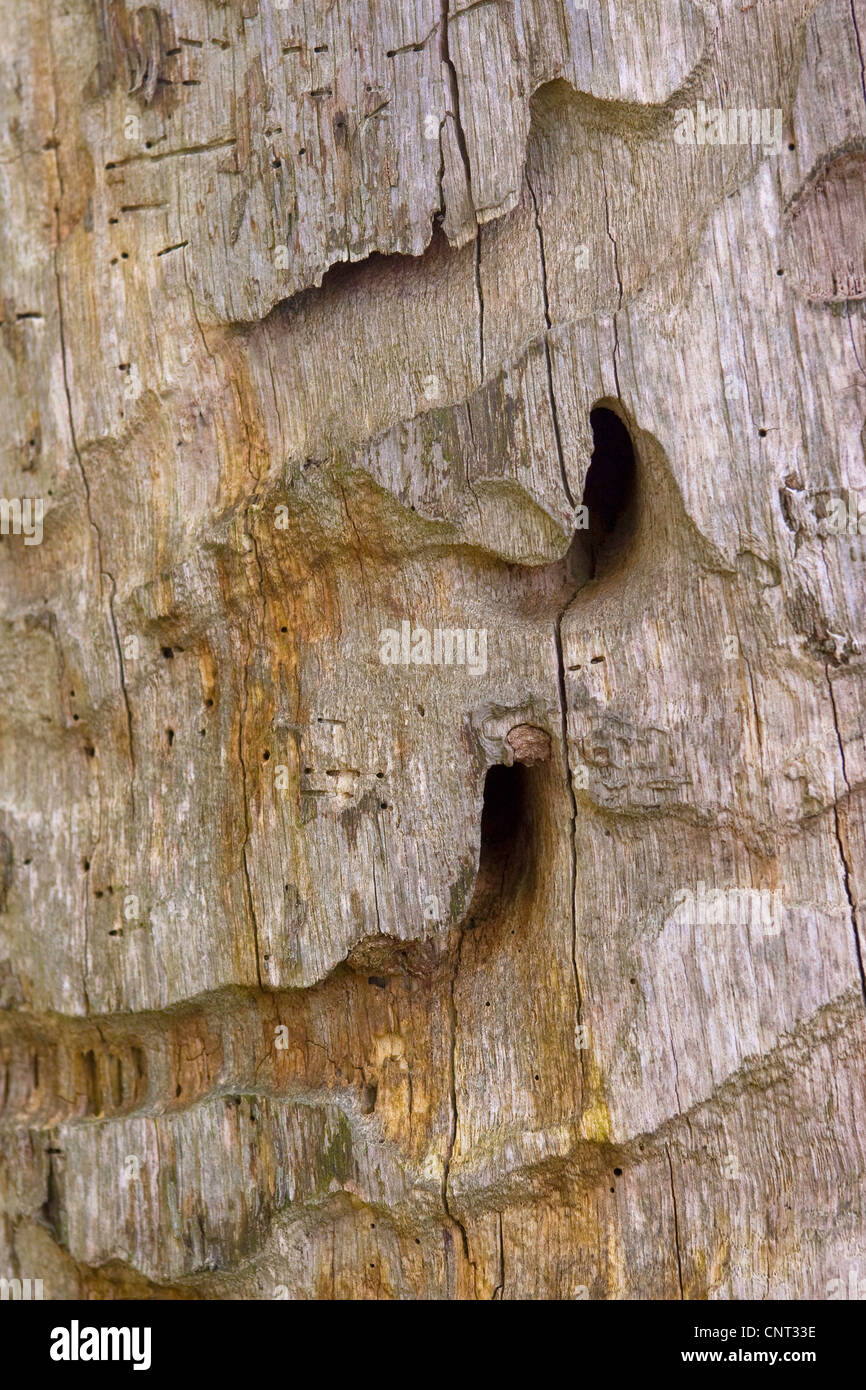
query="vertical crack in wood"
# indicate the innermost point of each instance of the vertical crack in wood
(244, 782)
(500, 1287)
(618, 273)
(840, 827)
(676, 1220)
(445, 55)
(480, 297)
(572, 835)
(554, 413)
(55, 143)
(452, 1084)
(859, 48)
(454, 90)
(67, 392)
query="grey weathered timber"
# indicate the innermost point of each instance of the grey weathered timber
(305, 311)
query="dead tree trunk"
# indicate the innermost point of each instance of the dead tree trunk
(432, 837)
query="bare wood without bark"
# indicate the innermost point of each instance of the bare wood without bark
(313, 317)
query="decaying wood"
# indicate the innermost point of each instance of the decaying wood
(305, 312)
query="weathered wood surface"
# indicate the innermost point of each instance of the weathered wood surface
(305, 309)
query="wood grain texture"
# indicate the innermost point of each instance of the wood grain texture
(305, 312)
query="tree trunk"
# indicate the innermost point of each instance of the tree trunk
(432, 835)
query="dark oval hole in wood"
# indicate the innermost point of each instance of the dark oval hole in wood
(506, 868)
(610, 492)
